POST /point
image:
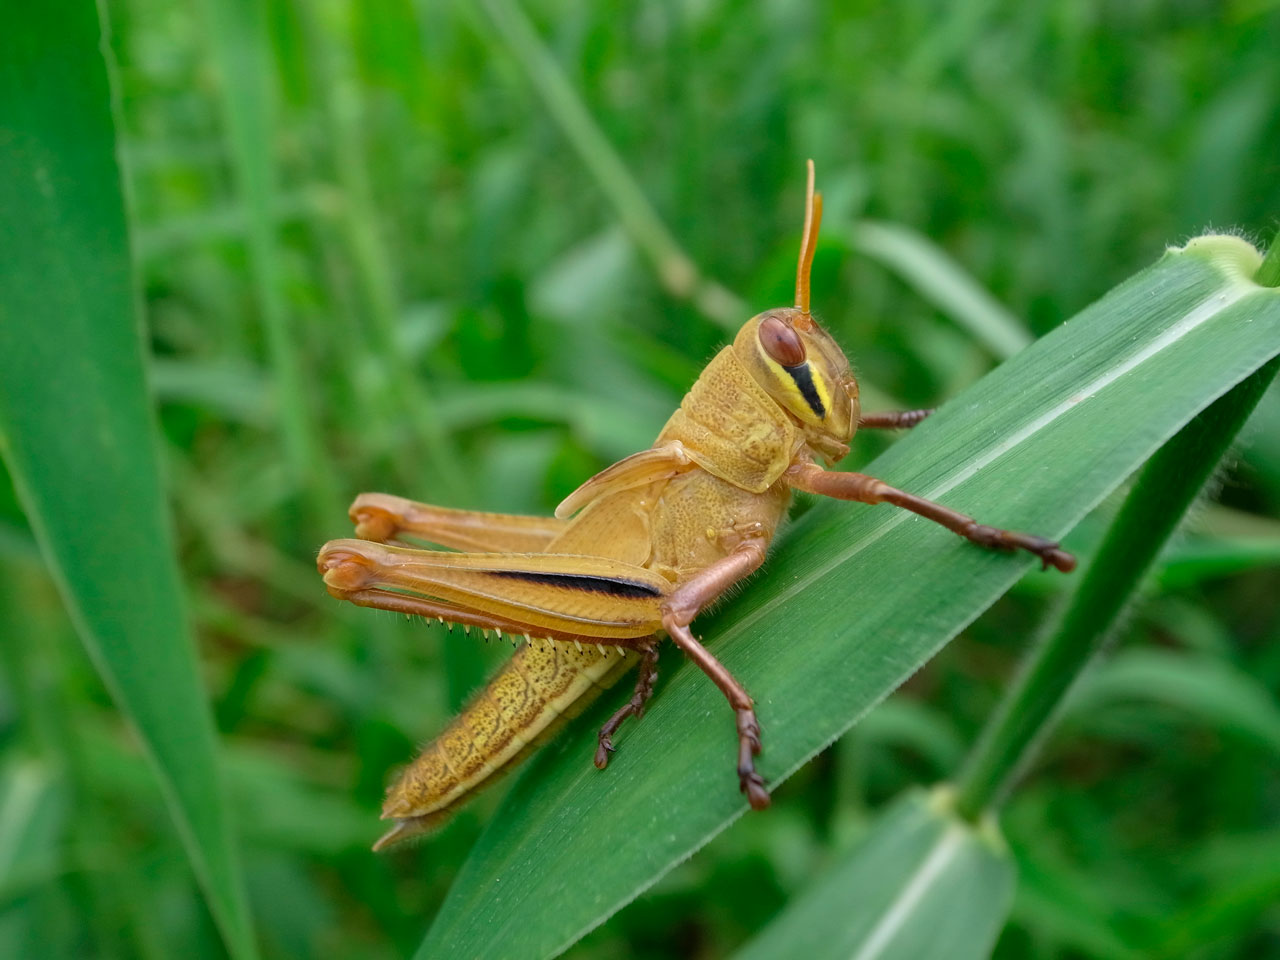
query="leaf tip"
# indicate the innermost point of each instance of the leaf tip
(1233, 256)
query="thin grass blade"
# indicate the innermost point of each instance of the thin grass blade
(1206, 690)
(237, 35)
(943, 282)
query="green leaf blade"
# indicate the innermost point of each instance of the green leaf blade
(922, 884)
(76, 427)
(855, 599)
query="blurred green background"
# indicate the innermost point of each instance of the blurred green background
(475, 304)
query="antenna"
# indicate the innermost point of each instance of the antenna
(808, 243)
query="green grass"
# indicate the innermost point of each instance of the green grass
(77, 431)
(373, 254)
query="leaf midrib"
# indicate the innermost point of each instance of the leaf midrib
(938, 856)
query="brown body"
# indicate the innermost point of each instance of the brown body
(637, 551)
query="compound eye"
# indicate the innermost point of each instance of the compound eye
(781, 342)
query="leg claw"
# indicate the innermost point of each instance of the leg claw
(752, 784)
(602, 753)
(1049, 551)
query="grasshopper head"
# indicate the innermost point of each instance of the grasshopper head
(806, 372)
(797, 362)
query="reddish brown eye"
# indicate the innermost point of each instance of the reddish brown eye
(781, 342)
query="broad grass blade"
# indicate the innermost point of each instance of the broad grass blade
(76, 427)
(855, 599)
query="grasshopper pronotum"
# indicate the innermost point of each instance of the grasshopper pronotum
(637, 550)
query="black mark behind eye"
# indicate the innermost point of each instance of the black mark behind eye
(803, 378)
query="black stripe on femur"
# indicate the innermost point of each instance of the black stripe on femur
(803, 378)
(613, 586)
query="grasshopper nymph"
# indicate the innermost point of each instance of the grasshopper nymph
(636, 551)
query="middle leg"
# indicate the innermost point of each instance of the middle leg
(749, 781)
(678, 612)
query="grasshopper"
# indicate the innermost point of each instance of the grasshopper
(637, 551)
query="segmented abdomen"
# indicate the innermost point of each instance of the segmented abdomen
(542, 685)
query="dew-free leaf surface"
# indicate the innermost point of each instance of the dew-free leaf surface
(77, 431)
(855, 599)
(923, 884)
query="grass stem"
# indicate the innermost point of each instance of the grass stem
(239, 46)
(676, 270)
(374, 266)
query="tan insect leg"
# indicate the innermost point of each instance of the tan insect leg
(749, 782)
(449, 614)
(865, 489)
(382, 518)
(563, 596)
(679, 611)
(892, 419)
(634, 708)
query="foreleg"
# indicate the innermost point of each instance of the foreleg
(864, 489)
(892, 419)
